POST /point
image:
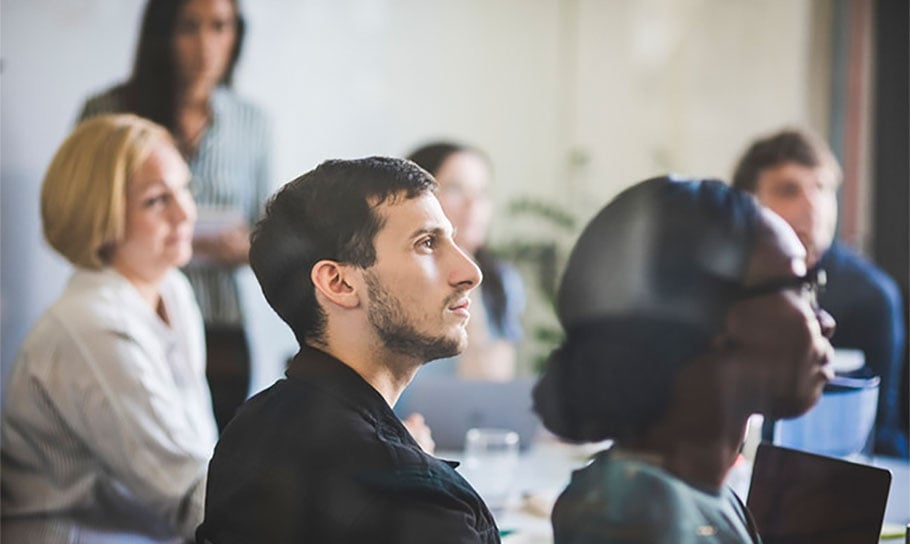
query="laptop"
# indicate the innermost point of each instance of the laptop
(451, 406)
(799, 497)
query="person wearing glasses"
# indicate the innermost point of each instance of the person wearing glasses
(794, 173)
(687, 307)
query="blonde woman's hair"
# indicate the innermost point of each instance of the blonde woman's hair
(83, 197)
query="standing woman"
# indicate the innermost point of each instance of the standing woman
(463, 174)
(107, 423)
(182, 77)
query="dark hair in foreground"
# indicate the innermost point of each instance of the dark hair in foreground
(327, 213)
(151, 91)
(646, 289)
(791, 145)
(430, 157)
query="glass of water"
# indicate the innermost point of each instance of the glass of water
(490, 462)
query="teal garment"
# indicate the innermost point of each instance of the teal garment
(619, 499)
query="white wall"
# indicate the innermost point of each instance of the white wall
(630, 88)
(682, 85)
(53, 54)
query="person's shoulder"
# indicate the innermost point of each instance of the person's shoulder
(508, 272)
(631, 500)
(635, 480)
(300, 416)
(93, 299)
(108, 101)
(620, 483)
(237, 106)
(513, 288)
(846, 267)
(89, 308)
(178, 284)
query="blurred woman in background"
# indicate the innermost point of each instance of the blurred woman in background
(464, 176)
(107, 422)
(184, 68)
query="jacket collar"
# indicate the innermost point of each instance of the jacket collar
(325, 372)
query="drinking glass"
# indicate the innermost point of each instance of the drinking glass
(490, 462)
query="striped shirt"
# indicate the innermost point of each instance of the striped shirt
(230, 171)
(107, 420)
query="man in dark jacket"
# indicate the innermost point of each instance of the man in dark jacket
(359, 259)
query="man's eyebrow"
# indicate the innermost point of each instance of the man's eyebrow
(436, 231)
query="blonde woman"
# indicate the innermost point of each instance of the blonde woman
(107, 422)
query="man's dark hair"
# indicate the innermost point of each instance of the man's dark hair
(151, 91)
(790, 145)
(327, 213)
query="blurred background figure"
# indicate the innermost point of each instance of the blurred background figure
(794, 173)
(107, 421)
(464, 175)
(181, 79)
(687, 308)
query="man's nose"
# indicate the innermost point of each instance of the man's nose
(805, 211)
(465, 274)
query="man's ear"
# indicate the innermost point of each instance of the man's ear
(334, 282)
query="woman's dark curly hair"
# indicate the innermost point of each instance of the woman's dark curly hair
(646, 289)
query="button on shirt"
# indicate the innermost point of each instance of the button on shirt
(321, 457)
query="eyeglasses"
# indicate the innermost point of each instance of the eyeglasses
(812, 284)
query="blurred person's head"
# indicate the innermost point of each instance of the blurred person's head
(682, 282)
(795, 174)
(205, 43)
(463, 174)
(115, 194)
(365, 235)
(183, 43)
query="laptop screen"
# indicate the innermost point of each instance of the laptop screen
(799, 497)
(452, 406)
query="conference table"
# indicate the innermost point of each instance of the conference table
(545, 468)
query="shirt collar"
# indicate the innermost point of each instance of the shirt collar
(329, 374)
